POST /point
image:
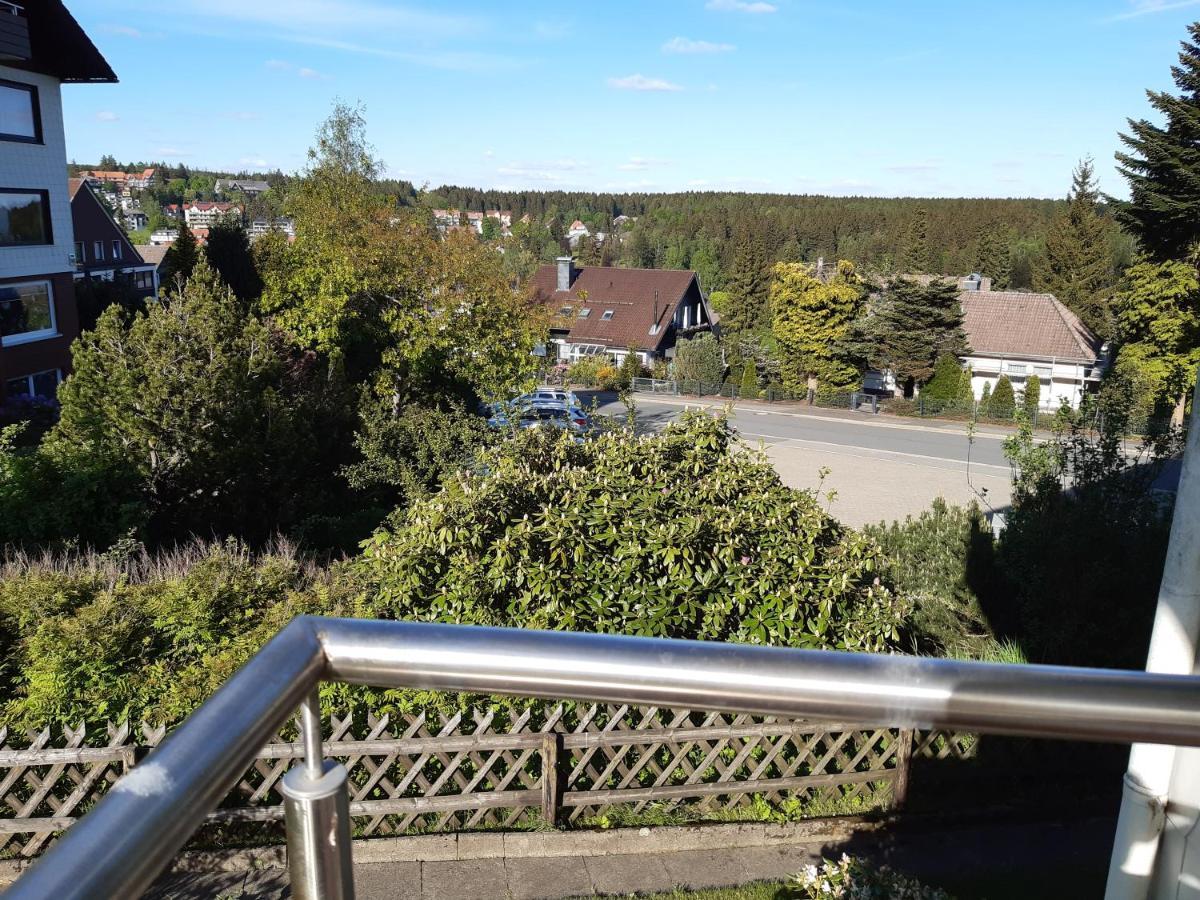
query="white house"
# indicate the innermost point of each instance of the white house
(1025, 336)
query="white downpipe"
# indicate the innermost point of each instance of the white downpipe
(1172, 650)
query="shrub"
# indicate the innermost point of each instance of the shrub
(586, 370)
(699, 359)
(853, 879)
(1002, 404)
(1031, 397)
(947, 376)
(985, 400)
(966, 392)
(934, 559)
(608, 377)
(748, 389)
(631, 367)
(685, 533)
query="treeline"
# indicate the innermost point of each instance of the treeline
(703, 230)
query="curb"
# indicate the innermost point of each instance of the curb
(528, 845)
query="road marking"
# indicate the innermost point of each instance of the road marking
(868, 450)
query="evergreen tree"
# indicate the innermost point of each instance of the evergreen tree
(993, 257)
(1031, 398)
(946, 380)
(966, 392)
(181, 259)
(748, 390)
(1075, 267)
(911, 326)
(630, 368)
(747, 286)
(1162, 164)
(985, 400)
(917, 256)
(1002, 403)
(228, 253)
(811, 319)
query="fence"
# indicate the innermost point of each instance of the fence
(564, 764)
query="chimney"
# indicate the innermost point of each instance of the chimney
(566, 272)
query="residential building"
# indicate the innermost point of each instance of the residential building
(576, 231)
(1027, 336)
(205, 214)
(135, 219)
(153, 255)
(164, 237)
(143, 179)
(605, 310)
(251, 187)
(259, 227)
(450, 219)
(122, 180)
(102, 250)
(41, 48)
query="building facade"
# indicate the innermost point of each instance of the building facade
(38, 314)
(102, 250)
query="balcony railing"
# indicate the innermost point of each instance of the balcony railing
(14, 32)
(120, 847)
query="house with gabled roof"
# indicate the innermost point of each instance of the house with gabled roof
(102, 250)
(599, 309)
(1025, 336)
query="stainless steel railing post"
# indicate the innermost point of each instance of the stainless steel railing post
(316, 805)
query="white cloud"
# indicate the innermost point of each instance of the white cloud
(746, 6)
(489, 153)
(107, 115)
(698, 182)
(127, 31)
(640, 164)
(642, 83)
(1151, 7)
(277, 64)
(306, 72)
(320, 17)
(687, 45)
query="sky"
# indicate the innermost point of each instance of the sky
(858, 97)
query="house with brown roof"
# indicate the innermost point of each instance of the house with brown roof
(598, 309)
(1025, 336)
(102, 250)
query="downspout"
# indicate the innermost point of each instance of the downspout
(1172, 650)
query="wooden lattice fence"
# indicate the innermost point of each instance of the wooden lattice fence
(486, 769)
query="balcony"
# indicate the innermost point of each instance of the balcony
(14, 33)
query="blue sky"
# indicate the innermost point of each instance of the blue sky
(871, 97)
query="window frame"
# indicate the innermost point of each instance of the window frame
(97, 251)
(80, 252)
(116, 250)
(36, 106)
(28, 379)
(47, 223)
(607, 315)
(29, 337)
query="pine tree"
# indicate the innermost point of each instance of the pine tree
(1002, 403)
(985, 400)
(631, 368)
(966, 391)
(747, 286)
(748, 390)
(1163, 164)
(181, 259)
(1031, 398)
(917, 256)
(1076, 267)
(912, 325)
(993, 257)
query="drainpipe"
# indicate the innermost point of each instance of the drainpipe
(1149, 779)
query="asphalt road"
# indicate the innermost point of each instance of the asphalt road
(878, 468)
(931, 444)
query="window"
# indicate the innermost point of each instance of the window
(584, 313)
(144, 281)
(20, 117)
(26, 312)
(24, 217)
(1015, 368)
(566, 311)
(116, 250)
(1042, 372)
(608, 314)
(98, 250)
(42, 385)
(79, 253)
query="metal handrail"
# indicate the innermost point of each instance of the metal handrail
(120, 847)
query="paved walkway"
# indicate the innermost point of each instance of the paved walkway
(1026, 858)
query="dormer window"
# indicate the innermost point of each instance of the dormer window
(584, 313)
(608, 314)
(565, 311)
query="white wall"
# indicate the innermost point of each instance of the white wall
(41, 167)
(1066, 381)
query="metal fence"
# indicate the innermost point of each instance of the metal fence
(489, 769)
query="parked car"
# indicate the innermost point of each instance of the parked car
(561, 395)
(552, 415)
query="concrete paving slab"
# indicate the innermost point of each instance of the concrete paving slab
(629, 874)
(468, 879)
(388, 881)
(267, 884)
(706, 868)
(197, 885)
(537, 879)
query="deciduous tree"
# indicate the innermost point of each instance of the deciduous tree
(811, 319)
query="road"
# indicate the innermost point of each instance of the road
(879, 468)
